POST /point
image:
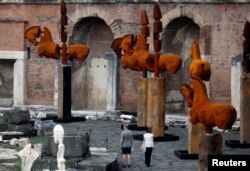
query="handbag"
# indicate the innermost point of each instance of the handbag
(143, 147)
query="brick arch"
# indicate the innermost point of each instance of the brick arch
(113, 22)
(183, 12)
(193, 14)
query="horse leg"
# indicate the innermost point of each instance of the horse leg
(208, 129)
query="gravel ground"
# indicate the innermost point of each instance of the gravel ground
(107, 134)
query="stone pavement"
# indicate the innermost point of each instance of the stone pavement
(107, 134)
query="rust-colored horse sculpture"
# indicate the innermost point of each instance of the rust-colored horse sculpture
(116, 47)
(78, 51)
(137, 57)
(32, 34)
(169, 62)
(141, 56)
(188, 92)
(126, 47)
(210, 114)
(198, 67)
(47, 47)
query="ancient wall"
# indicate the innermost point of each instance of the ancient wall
(39, 71)
(221, 27)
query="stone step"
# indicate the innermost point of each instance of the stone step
(27, 129)
(76, 145)
(11, 134)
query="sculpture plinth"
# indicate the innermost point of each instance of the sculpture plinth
(194, 137)
(64, 92)
(156, 106)
(210, 144)
(244, 139)
(142, 96)
(46, 47)
(150, 91)
(245, 108)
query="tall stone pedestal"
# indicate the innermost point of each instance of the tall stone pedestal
(244, 141)
(210, 144)
(194, 132)
(64, 92)
(156, 106)
(245, 110)
(142, 91)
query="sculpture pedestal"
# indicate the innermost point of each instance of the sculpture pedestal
(156, 106)
(244, 141)
(64, 92)
(210, 144)
(64, 95)
(245, 108)
(193, 142)
(142, 91)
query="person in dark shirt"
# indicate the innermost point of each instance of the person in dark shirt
(126, 145)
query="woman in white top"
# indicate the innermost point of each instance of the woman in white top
(148, 138)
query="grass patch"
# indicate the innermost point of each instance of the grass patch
(37, 140)
(18, 166)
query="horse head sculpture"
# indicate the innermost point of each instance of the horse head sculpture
(116, 47)
(137, 57)
(47, 47)
(32, 34)
(124, 49)
(170, 63)
(198, 67)
(188, 92)
(141, 56)
(210, 114)
(78, 51)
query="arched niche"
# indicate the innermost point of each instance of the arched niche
(177, 38)
(94, 81)
(240, 65)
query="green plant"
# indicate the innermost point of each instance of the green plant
(37, 140)
(18, 166)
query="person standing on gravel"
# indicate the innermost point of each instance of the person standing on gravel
(126, 145)
(148, 138)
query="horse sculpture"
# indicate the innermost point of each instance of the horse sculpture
(116, 47)
(137, 57)
(32, 34)
(210, 114)
(198, 67)
(188, 92)
(47, 47)
(126, 46)
(78, 51)
(141, 56)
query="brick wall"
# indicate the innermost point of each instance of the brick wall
(222, 44)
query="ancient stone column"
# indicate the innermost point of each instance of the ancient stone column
(236, 73)
(156, 106)
(142, 91)
(245, 109)
(210, 144)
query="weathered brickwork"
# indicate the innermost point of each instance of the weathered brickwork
(221, 28)
(40, 81)
(11, 33)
